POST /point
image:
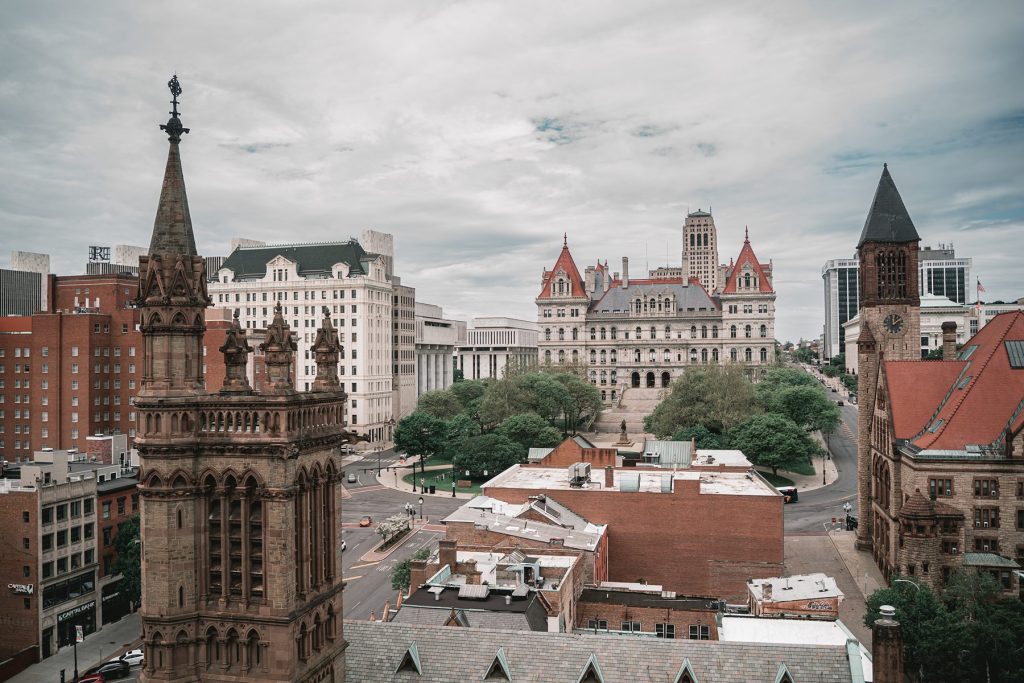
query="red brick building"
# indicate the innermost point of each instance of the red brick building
(71, 372)
(693, 532)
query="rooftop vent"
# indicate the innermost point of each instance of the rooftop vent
(887, 611)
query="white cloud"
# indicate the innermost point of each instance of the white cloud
(479, 132)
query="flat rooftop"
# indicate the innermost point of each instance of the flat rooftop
(798, 587)
(487, 565)
(501, 518)
(633, 480)
(747, 629)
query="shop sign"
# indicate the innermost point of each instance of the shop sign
(21, 588)
(820, 606)
(75, 612)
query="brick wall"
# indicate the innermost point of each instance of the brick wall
(19, 626)
(569, 452)
(687, 542)
(648, 617)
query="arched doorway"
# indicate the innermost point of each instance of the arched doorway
(635, 380)
(650, 380)
(665, 379)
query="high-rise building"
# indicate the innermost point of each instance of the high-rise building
(941, 273)
(240, 491)
(403, 327)
(841, 300)
(24, 288)
(700, 250)
(357, 287)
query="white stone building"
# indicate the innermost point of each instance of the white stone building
(644, 332)
(355, 284)
(436, 338)
(493, 345)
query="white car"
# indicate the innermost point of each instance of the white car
(343, 544)
(133, 657)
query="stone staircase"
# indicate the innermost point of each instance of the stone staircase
(634, 406)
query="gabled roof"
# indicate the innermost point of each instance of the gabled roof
(311, 260)
(564, 263)
(971, 401)
(888, 220)
(747, 256)
(460, 654)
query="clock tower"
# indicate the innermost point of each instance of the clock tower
(890, 320)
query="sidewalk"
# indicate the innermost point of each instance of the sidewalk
(105, 644)
(810, 482)
(859, 563)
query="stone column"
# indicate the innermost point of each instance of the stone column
(887, 647)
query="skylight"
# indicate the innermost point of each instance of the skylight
(967, 351)
(1015, 350)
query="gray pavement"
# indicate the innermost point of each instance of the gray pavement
(104, 645)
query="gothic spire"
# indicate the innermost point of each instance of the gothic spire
(236, 352)
(326, 348)
(888, 219)
(172, 229)
(279, 347)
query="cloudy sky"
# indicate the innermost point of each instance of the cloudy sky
(478, 132)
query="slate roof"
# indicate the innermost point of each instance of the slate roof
(375, 650)
(619, 298)
(888, 220)
(971, 401)
(566, 263)
(918, 507)
(988, 560)
(526, 614)
(313, 260)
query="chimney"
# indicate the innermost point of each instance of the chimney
(625, 272)
(447, 553)
(948, 340)
(766, 592)
(609, 477)
(887, 647)
(417, 574)
(472, 575)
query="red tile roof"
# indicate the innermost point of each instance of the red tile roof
(565, 263)
(747, 256)
(915, 388)
(974, 401)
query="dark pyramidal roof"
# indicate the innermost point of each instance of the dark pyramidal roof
(888, 220)
(172, 229)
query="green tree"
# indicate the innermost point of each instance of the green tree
(779, 378)
(468, 391)
(457, 376)
(128, 545)
(502, 399)
(717, 397)
(838, 360)
(583, 401)
(808, 406)
(773, 440)
(421, 434)
(441, 404)
(706, 439)
(804, 354)
(489, 452)
(544, 395)
(850, 382)
(401, 573)
(830, 371)
(529, 430)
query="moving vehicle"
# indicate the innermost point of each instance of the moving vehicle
(111, 670)
(839, 402)
(133, 657)
(343, 544)
(365, 520)
(790, 493)
(351, 477)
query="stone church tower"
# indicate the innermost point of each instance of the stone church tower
(890, 319)
(240, 491)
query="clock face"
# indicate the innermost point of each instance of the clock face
(893, 323)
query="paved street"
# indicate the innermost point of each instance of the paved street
(821, 505)
(368, 585)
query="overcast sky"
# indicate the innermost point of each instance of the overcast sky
(479, 132)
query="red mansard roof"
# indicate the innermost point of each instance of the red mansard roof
(950, 404)
(565, 263)
(747, 256)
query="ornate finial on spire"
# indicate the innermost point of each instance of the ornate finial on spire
(884, 165)
(565, 239)
(236, 352)
(746, 234)
(326, 349)
(173, 126)
(278, 347)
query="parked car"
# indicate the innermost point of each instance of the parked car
(111, 670)
(365, 520)
(92, 678)
(343, 544)
(133, 657)
(351, 477)
(839, 402)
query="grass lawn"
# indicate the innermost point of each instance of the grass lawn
(776, 479)
(804, 468)
(442, 481)
(438, 460)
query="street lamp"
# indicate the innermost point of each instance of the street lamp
(378, 448)
(421, 508)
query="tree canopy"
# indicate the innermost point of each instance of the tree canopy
(716, 397)
(529, 430)
(421, 434)
(490, 452)
(773, 440)
(970, 633)
(705, 438)
(128, 545)
(441, 404)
